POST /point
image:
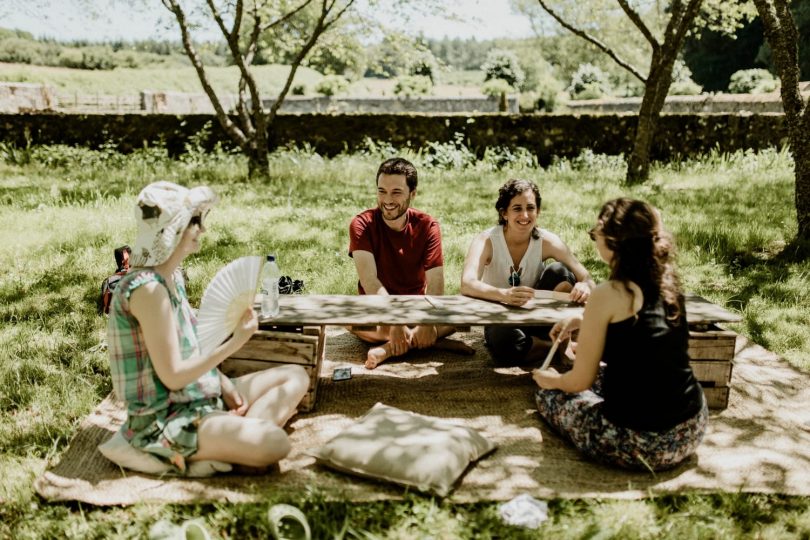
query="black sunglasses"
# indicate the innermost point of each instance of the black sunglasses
(514, 276)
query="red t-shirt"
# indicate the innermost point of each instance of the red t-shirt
(402, 257)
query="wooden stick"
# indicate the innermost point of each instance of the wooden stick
(550, 354)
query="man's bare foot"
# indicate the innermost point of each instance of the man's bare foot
(378, 355)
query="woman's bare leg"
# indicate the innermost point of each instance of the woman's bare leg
(273, 394)
(240, 440)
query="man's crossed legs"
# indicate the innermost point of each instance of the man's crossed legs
(397, 340)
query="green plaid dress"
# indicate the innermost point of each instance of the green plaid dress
(160, 421)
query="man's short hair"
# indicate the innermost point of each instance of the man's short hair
(399, 166)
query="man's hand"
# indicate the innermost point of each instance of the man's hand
(399, 338)
(424, 336)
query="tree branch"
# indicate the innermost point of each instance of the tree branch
(636, 19)
(250, 124)
(680, 23)
(232, 129)
(320, 26)
(593, 40)
(287, 16)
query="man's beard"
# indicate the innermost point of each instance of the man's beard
(398, 212)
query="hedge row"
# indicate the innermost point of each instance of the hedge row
(329, 134)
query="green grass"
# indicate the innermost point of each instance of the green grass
(129, 81)
(63, 210)
(270, 78)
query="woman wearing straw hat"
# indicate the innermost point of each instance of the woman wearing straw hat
(180, 408)
(631, 399)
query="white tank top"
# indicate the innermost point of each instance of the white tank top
(497, 272)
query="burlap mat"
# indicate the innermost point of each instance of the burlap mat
(756, 445)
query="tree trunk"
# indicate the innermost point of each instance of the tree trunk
(258, 160)
(656, 89)
(783, 37)
(800, 148)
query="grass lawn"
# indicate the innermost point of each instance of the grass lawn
(63, 210)
(130, 81)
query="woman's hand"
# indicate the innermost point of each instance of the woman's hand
(246, 327)
(581, 292)
(234, 402)
(517, 296)
(546, 379)
(562, 329)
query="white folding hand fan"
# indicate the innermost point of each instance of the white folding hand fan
(225, 300)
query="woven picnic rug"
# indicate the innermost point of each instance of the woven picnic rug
(756, 445)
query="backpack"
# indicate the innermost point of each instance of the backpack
(108, 285)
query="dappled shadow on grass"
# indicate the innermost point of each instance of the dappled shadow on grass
(48, 297)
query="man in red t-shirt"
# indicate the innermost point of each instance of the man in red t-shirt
(397, 250)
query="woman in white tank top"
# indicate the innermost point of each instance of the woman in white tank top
(506, 263)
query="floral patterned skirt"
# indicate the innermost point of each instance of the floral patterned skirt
(580, 419)
(171, 434)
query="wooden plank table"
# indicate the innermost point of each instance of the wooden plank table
(456, 310)
(710, 348)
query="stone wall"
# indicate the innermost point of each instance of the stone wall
(382, 105)
(545, 135)
(26, 97)
(706, 103)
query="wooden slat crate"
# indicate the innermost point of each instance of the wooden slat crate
(711, 350)
(277, 346)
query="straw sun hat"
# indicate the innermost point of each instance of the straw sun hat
(162, 213)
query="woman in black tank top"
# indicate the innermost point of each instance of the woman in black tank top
(631, 398)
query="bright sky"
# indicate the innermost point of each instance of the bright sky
(485, 19)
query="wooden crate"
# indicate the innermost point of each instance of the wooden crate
(273, 346)
(711, 353)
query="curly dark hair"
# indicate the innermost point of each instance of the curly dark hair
(643, 252)
(399, 166)
(509, 191)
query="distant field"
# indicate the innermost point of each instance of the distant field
(128, 81)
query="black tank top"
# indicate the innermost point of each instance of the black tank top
(648, 384)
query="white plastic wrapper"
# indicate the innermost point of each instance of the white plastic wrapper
(524, 511)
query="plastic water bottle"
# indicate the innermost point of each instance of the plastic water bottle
(269, 288)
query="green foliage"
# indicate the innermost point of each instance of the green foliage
(448, 155)
(544, 97)
(588, 82)
(20, 47)
(332, 85)
(339, 53)
(682, 83)
(298, 89)
(504, 65)
(752, 81)
(413, 85)
(496, 87)
(399, 54)
(424, 64)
